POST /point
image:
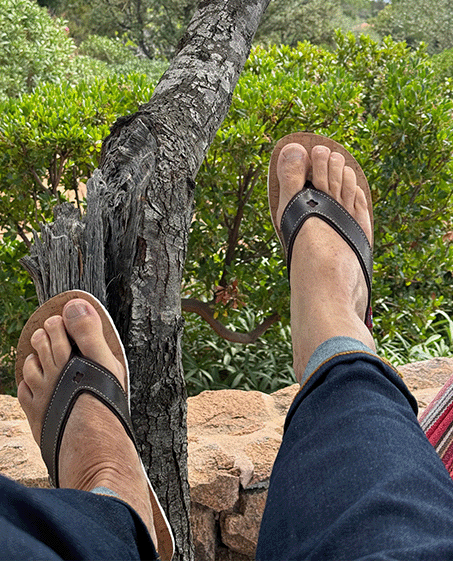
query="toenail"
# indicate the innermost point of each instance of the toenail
(29, 357)
(291, 155)
(75, 310)
(38, 334)
(293, 152)
(52, 320)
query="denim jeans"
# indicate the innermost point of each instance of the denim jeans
(56, 524)
(355, 477)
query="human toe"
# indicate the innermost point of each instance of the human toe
(33, 393)
(40, 341)
(60, 344)
(24, 395)
(33, 373)
(293, 166)
(349, 189)
(335, 178)
(84, 325)
(320, 161)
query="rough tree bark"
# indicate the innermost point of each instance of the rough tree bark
(129, 249)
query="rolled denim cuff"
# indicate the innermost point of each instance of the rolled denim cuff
(330, 348)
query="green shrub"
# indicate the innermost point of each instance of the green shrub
(385, 104)
(119, 58)
(34, 47)
(17, 303)
(211, 363)
(112, 51)
(443, 64)
(414, 21)
(48, 148)
(434, 339)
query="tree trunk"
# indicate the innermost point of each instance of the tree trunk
(130, 248)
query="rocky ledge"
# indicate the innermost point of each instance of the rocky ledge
(233, 439)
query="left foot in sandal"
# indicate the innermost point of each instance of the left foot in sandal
(95, 449)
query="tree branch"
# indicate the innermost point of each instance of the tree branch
(245, 191)
(205, 311)
(39, 182)
(22, 234)
(59, 171)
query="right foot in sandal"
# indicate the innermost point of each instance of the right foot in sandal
(95, 449)
(328, 289)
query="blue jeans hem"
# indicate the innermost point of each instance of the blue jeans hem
(322, 369)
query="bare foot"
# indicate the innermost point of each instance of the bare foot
(328, 289)
(95, 449)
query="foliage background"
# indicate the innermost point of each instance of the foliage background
(385, 104)
(389, 103)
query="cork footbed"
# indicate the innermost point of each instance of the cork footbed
(309, 140)
(54, 306)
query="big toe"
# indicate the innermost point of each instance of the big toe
(84, 325)
(293, 166)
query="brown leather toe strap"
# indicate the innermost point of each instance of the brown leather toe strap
(312, 202)
(80, 375)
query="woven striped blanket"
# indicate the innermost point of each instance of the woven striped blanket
(437, 423)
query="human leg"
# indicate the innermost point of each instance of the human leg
(356, 477)
(76, 401)
(55, 524)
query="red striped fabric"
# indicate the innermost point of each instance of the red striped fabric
(437, 423)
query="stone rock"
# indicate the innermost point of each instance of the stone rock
(214, 487)
(427, 374)
(203, 522)
(233, 438)
(10, 409)
(234, 434)
(240, 529)
(20, 457)
(225, 554)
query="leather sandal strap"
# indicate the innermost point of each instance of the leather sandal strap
(80, 375)
(313, 202)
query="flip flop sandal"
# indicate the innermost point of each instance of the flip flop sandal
(313, 202)
(78, 376)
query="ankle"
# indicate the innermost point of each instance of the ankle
(309, 335)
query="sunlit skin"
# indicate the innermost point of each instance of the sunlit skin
(328, 288)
